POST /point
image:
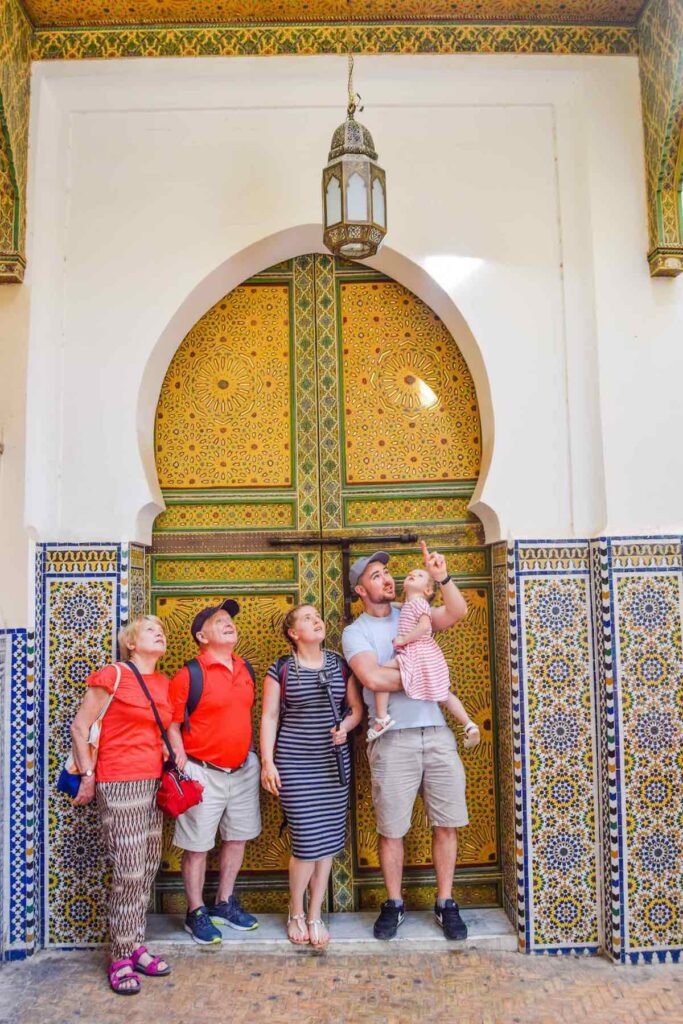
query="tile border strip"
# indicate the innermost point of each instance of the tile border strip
(299, 39)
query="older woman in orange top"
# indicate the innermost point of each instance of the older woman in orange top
(124, 781)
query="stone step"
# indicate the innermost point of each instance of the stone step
(487, 929)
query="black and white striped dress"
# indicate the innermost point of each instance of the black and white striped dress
(313, 799)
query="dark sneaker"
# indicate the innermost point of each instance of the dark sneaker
(450, 920)
(231, 913)
(391, 916)
(198, 924)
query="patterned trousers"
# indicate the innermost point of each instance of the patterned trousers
(131, 825)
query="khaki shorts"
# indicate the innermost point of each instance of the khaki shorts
(230, 802)
(406, 762)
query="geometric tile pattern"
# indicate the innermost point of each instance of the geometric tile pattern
(640, 678)
(410, 407)
(661, 76)
(328, 393)
(17, 910)
(230, 378)
(188, 516)
(546, 748)
(307, 472)
(406, 511)
(82, 596)
(224, 571)
(557, 725)
(138, 596)
(508, 726)
(268, 40)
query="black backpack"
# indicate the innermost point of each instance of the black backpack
(194, 693)
(196, 689)
(282, 670)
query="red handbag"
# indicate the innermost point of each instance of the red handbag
(177, 792)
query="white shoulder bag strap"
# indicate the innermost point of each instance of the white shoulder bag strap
(94, 733)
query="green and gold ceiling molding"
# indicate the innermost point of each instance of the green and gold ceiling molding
(661, 77)
(270, 40)
(71, 13)
(15, 73)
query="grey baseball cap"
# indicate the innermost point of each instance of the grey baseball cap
(361, 564)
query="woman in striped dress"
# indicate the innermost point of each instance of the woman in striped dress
(299, 764)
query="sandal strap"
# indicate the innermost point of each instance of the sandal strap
(121, 965)
(298, 920)
(122, 970)
(316, 923)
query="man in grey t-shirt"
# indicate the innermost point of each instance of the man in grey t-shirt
(418, 752)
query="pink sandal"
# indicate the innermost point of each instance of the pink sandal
(151, 970)
(120, 971)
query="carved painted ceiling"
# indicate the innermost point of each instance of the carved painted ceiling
(44, 13)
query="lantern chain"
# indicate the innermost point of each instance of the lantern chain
(353, 96)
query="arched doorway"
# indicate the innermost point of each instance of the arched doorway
(318, 409)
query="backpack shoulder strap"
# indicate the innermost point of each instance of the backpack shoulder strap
(343, 665)
(282, 670)
(250, 670)
(194, 692)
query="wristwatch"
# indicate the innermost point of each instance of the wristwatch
(88, 773)
(443, 582)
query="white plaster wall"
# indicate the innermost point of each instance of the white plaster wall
(153, 183)
(14, 543)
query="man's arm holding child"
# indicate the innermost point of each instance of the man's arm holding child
(373, 676)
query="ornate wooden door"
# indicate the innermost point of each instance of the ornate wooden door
(318, 403)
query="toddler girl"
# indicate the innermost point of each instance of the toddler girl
(420, 660)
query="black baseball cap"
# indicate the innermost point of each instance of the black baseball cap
(229, 606)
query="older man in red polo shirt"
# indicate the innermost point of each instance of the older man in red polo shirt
(213, 745)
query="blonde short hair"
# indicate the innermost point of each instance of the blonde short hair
(128, 634)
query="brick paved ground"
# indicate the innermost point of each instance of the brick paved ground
(456, 987)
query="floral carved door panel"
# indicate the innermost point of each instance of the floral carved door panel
(319, 402)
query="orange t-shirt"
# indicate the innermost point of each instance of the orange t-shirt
(220, 725)
(130, 741)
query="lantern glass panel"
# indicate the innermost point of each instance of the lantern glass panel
(356, 198)
(333, 203)
(379, 214)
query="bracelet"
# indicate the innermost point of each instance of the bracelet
(443, 582)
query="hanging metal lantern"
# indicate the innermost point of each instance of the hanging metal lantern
(354, 189)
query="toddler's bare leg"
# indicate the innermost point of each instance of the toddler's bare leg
(381, 705)
(383, 719)
(471, 729)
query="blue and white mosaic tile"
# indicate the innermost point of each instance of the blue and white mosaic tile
(638, 590)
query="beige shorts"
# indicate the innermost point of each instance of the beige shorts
(405, 762)
(230, 802)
